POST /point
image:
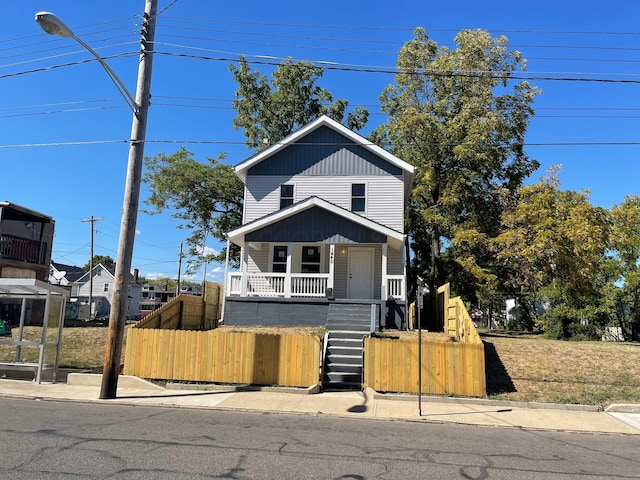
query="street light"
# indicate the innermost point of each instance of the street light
(54, 26)
(113, 350)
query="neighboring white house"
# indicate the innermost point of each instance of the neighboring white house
(102, 291)
(323, 222)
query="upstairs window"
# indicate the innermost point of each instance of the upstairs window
(279, 259)
(310, 259)
(106, 287)
(358, 199)
(286, 195)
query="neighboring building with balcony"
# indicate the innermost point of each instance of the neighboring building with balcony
(26, 239)
(323, 224)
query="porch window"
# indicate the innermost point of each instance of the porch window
(286, 195)
(279, 259)
(310, 259)
(358, 199)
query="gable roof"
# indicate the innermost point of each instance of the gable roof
(71, 272)
(110, 271)
(243, 167)
(237, 236)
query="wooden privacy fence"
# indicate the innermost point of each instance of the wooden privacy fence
(448, 368)
(451, 368)
(188, 312)
(223, 357)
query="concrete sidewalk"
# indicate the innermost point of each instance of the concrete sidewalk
(620, 419)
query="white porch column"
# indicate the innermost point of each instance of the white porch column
(332, 256)
(287, 278)
(383, 287)
(227, 282)
(245, 261)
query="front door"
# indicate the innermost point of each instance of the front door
(361, 273)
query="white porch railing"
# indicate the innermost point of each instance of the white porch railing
(310, 285)
(395, 287)
(275, 284)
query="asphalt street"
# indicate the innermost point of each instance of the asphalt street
(66, 439)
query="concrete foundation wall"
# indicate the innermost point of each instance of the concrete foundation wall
(307, 312)
(267, 311)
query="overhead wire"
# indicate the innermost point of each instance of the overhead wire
(391, 28)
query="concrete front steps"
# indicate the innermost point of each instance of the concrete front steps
(347, 325)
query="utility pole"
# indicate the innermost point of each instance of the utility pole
(179, 268)
(119, 302)
(92, 220)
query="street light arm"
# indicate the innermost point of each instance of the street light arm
(54, 26)
(114, 78)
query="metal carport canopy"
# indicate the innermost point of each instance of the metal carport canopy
(29, 287)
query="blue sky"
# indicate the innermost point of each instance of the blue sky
(64, 129)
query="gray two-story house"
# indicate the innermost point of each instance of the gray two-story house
(323, 224)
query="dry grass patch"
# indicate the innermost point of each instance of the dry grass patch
(315, 331)
(82, 347)
(541, 370)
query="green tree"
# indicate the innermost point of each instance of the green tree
(623, 291)
(205, 197)
(272, 109)
(106, 260)
(554, 246)
(458, 118)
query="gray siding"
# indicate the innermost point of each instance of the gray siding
(384, 195)
(325, 164)
(315, 225)
(259, 259)
(325, 152)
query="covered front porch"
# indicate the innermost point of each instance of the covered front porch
(317, 251)
(354, 272)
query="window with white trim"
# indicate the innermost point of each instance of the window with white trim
(310, 259)
(279, 262)
(286, 195)
(358, 197)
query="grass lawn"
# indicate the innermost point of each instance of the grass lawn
(519, 367)
(532, 368)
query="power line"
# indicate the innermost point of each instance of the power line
(390, 28)
(62, 65)
(230, 142)
(394, 71)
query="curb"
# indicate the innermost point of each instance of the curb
(95, 380)
(623, 408)
(312, 390)
(488, 402)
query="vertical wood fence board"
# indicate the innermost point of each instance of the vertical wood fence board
(129, 352)
(379, 379)
(180, 366)
(151, 353)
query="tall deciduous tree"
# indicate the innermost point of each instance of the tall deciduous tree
(456, 116)
(623, 291)
(205, 197)
(554, 246)
(272, 109)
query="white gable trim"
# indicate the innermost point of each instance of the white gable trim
(242, 168)
(95, 268)
(394, 238)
